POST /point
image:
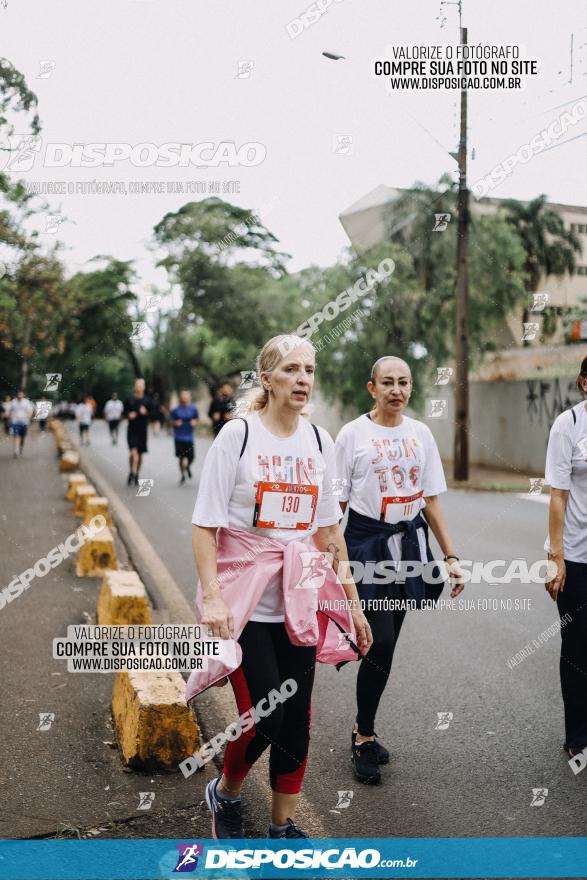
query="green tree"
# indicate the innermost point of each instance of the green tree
(234, 292)
(550, 248)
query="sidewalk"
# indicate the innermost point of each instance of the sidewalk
(490, 479)
(68, 780)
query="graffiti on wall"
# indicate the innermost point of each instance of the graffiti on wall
(547, 399)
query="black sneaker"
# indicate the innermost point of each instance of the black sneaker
(365, 758)
(382, 753)
(182, 480)
(130, 480)
(136, 476)
(290, 831)
(226, 815)
(189, 472)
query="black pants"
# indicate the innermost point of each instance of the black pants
(269, 659)
(376, 665)
(573, 663)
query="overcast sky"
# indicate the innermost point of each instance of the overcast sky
(160, 71)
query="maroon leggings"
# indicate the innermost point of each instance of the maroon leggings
(269, 659)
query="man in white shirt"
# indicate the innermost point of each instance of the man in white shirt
(112, 413)
(84, 413)
(20, 411)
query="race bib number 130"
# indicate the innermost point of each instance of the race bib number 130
(285, 505)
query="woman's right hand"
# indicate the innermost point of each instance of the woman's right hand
(557, 583)
(217, 616)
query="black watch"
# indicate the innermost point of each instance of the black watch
(450, 556)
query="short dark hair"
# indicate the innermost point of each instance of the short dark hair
(582, 373)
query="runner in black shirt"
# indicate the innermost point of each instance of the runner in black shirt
(221, 407)
(137, 409)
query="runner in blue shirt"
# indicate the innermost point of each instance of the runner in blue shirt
(184, 418)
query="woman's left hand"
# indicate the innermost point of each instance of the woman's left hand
(456, 578)
(363, 630)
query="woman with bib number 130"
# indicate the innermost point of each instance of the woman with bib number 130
(263, 516)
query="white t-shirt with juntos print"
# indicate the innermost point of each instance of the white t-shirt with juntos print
(387, 473)
(276, 490)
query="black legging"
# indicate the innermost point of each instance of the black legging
(269, 659)
(573, 662)
(376, 665)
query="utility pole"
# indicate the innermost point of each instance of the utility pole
(461, 437)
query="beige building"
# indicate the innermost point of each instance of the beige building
(366, 221)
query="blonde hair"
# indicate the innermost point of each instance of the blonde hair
(274, 350)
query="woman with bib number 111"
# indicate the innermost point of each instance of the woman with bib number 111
(264, 515)
(391, 475)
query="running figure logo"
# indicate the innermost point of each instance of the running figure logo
(344, 801)
(530, 331)
(441, 222)
(343, 144)
(539, 302)
(46, 719)
(443, 720)
(343, 643)
(53, 222)
(437, 408)
(444, 375)
(248, 379)
(146, 799)
(42, 408)
(314, 570)
(22, 150)
(138, 330)
(539, 795)
(188, 857)
(145, 487)
(53, 380)
(46, 68)
(245, 69)
(536, 484)
(153, 301)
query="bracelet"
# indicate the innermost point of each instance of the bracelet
(450, 556)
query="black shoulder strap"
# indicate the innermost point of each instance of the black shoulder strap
(317, 433)
(246, 435)
(574, 416)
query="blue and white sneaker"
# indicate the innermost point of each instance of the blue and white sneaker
(226, 814)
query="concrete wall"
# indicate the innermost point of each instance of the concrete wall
(510, 421)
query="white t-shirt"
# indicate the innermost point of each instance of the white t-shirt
(20, 411)
(566, 468)
(387, 473)
(227, 494)
(84, 413)
(113, 410)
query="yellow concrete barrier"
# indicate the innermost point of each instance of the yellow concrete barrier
(123, 600)
(73, 480)
(154, 726)
(97, 555)
(93, 505)
(69, 462)
(82, 491)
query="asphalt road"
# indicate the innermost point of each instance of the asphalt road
(474, 778)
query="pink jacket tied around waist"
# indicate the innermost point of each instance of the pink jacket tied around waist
(246, 563)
